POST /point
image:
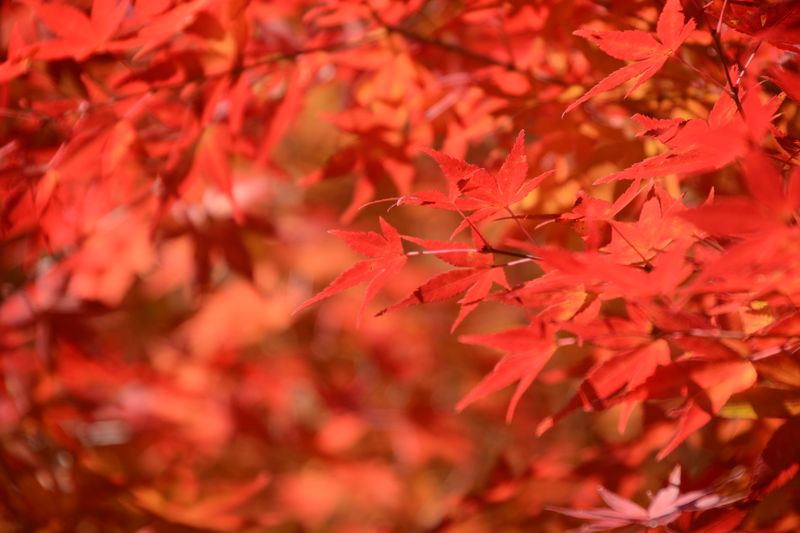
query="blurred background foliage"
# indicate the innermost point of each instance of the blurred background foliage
(169, 171)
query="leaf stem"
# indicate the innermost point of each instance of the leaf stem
(519, 224)
(448, 251)
(701, 73)
(635, 249)
(747, 64)
(487, 249)
(721, 13)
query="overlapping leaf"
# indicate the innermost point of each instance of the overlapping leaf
(648, 51)
(475, 190)
(387, 259)
(698, 145)
(526, 350)
(705, 384)
(666, 506)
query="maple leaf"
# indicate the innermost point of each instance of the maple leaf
(387, 259)
(666, 506)
(79, 36)
(16, 62)
(596, 213)
(472, 188)
(601, 273)
(777, 22)
(456, 172)
(161, 27)
(789, 82)
(475, 281)
(779, 462)
(659, 227)
(527, 351)
(508, 186)
(649, 52)
(771, 205)
(699, 145)
(624, 371)
(212, 160)
(707, 384)
(555, 297)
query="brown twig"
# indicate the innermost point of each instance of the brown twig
(460, 50)
(715, 36)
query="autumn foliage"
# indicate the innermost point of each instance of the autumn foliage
(576, 223)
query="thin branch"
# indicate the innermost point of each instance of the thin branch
(460, 50)
(715, 36)
(233, 70)
(792, 348)
(734, 88)
(449, 47)
(511, 253)
(504, 35)
(486, 249)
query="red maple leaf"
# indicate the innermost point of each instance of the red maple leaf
(706, 380)
(776, 22)
(387, 258)
(770, 206)
(77, 35)
(779, 463)
(527, 351)
(475, 280)
(702, 145)
(648, 51)
(624, 371)
(485, 195)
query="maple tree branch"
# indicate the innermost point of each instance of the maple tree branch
(21, 115)
(715, 36)
(728, 334)
(486, 249)
(510, 253)
(709, 334)
(460, 50)
(504, 36)
(287, 56)
(537, 216)
(789, 159)
(235, 69)
(775, 350)
(734, 88)
(450, 47)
